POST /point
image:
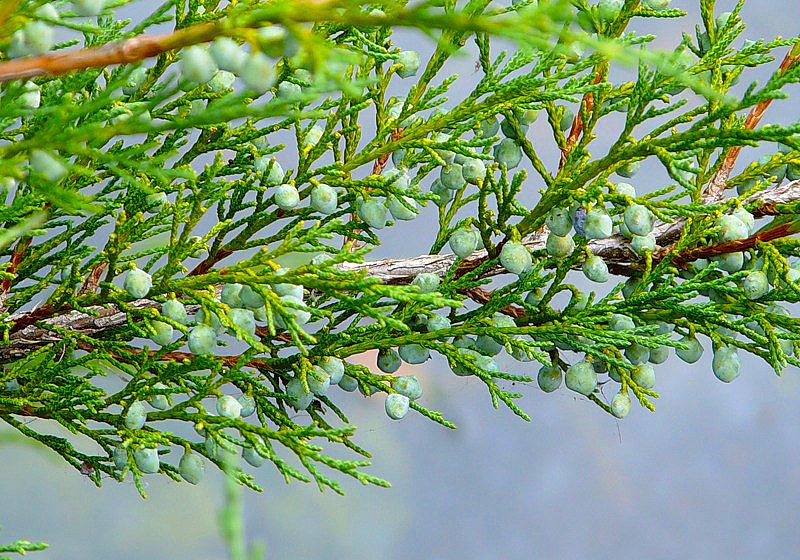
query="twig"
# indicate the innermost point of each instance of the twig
(122, 52)
(25, 335)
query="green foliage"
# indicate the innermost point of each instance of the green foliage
(219, 202)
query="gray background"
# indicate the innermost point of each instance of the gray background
(713, 474)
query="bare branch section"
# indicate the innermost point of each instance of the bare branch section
(614, 250)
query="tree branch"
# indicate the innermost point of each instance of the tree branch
(615, 251)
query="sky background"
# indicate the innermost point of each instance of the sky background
(714, 473)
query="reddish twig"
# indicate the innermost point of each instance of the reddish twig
(479, 295)
(16, 259)
(577, 123)
(717, 249)
(93, 279)
(122, 52)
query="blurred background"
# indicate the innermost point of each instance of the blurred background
(714, 473)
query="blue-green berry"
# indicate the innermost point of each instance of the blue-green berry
(38, 37)
(319, 381)
(691, 354)
(508, 129)
(629, 169)
(348, 383)
(625, 189)
(312, 137)
(658, 355)
(732, 228)
(296, 309)
(638, 219)
(755, 285)
(609, 10)
(136, 416)
(138, 283)
(473, 170)
(202, 339)
(253, 457)
(324, 199)
(258, 72)
(299, 397)
(581, 378)
(372, 212)
(468, 354)
(269, 165)
(248, 405)
(229, 407)
(746, 218)
(403, 208)
(230, 295)
(637, 354)
(567, 118)
(146, 459)
(463, 242)
(427, 282)
(451, 177)
(286, 289)
(464, 341)
(490, 127)
(227, 54)
(486, 363)
(191, 468)
(621, 404)
(508, 153)
(288, 90)
(730, 262)
(656, 4)
(595, 269)
(644, 376)
(631, 285)
(549, 378)
(221, 81)
(598, 225)
(196, 64)
(526, 116)
(559, 246)
(413, 353)
(46, 165)
(443, 194)
(286, 197)
(408, 385)
(251, 298)
(515, 258)
(643, 244)
(31, 97)
(120, 457)
(162, 333)
(88, 7)
(559, 221)
(437, 323)
(618, 322)
(334, 367)
(244, 319)
(210, 319)
(396, 406)
(408, 63)
(726, 364)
